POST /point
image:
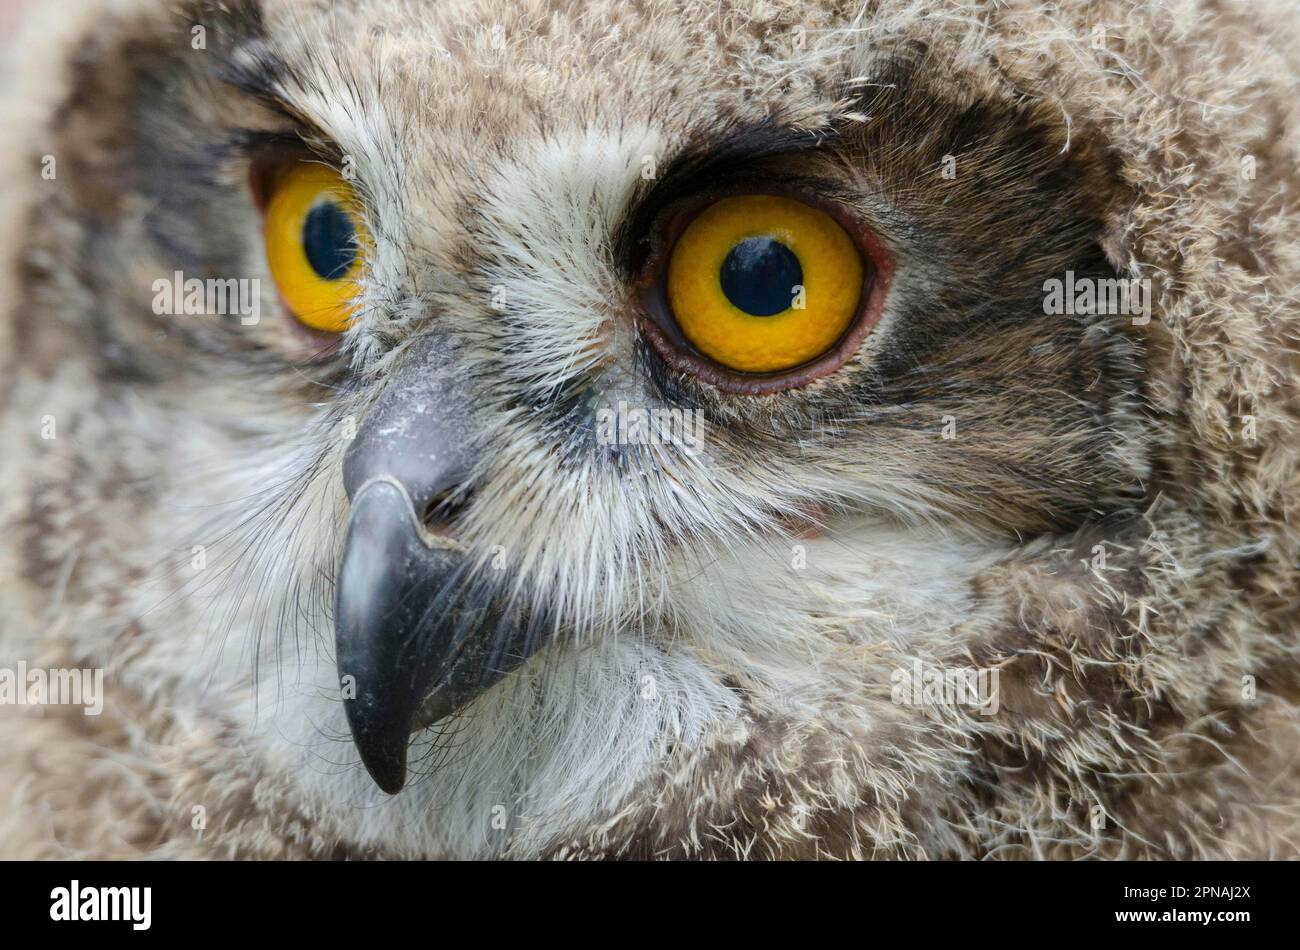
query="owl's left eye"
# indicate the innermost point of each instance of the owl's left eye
(763, 283)
(315, 241)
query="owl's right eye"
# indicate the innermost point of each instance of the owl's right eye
(315, 243)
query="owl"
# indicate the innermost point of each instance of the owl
(681, 429)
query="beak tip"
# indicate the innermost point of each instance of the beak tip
(390, 781)
(384, 758)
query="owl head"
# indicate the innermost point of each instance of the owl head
(560, 428)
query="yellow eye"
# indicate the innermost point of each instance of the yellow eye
(761, 283)
(314, 244)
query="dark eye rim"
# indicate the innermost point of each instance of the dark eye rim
(661, 329)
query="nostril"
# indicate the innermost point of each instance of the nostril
(445, 509)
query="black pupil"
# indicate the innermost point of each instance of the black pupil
(759, 276)
(329, 240)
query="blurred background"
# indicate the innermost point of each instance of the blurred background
(9, 13)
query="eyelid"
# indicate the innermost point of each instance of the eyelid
(660, 326)
(271, 153)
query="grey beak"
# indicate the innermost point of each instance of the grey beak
(416, 636)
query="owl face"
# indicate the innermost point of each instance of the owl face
(620, 375)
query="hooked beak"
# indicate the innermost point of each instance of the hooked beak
(416, 636)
